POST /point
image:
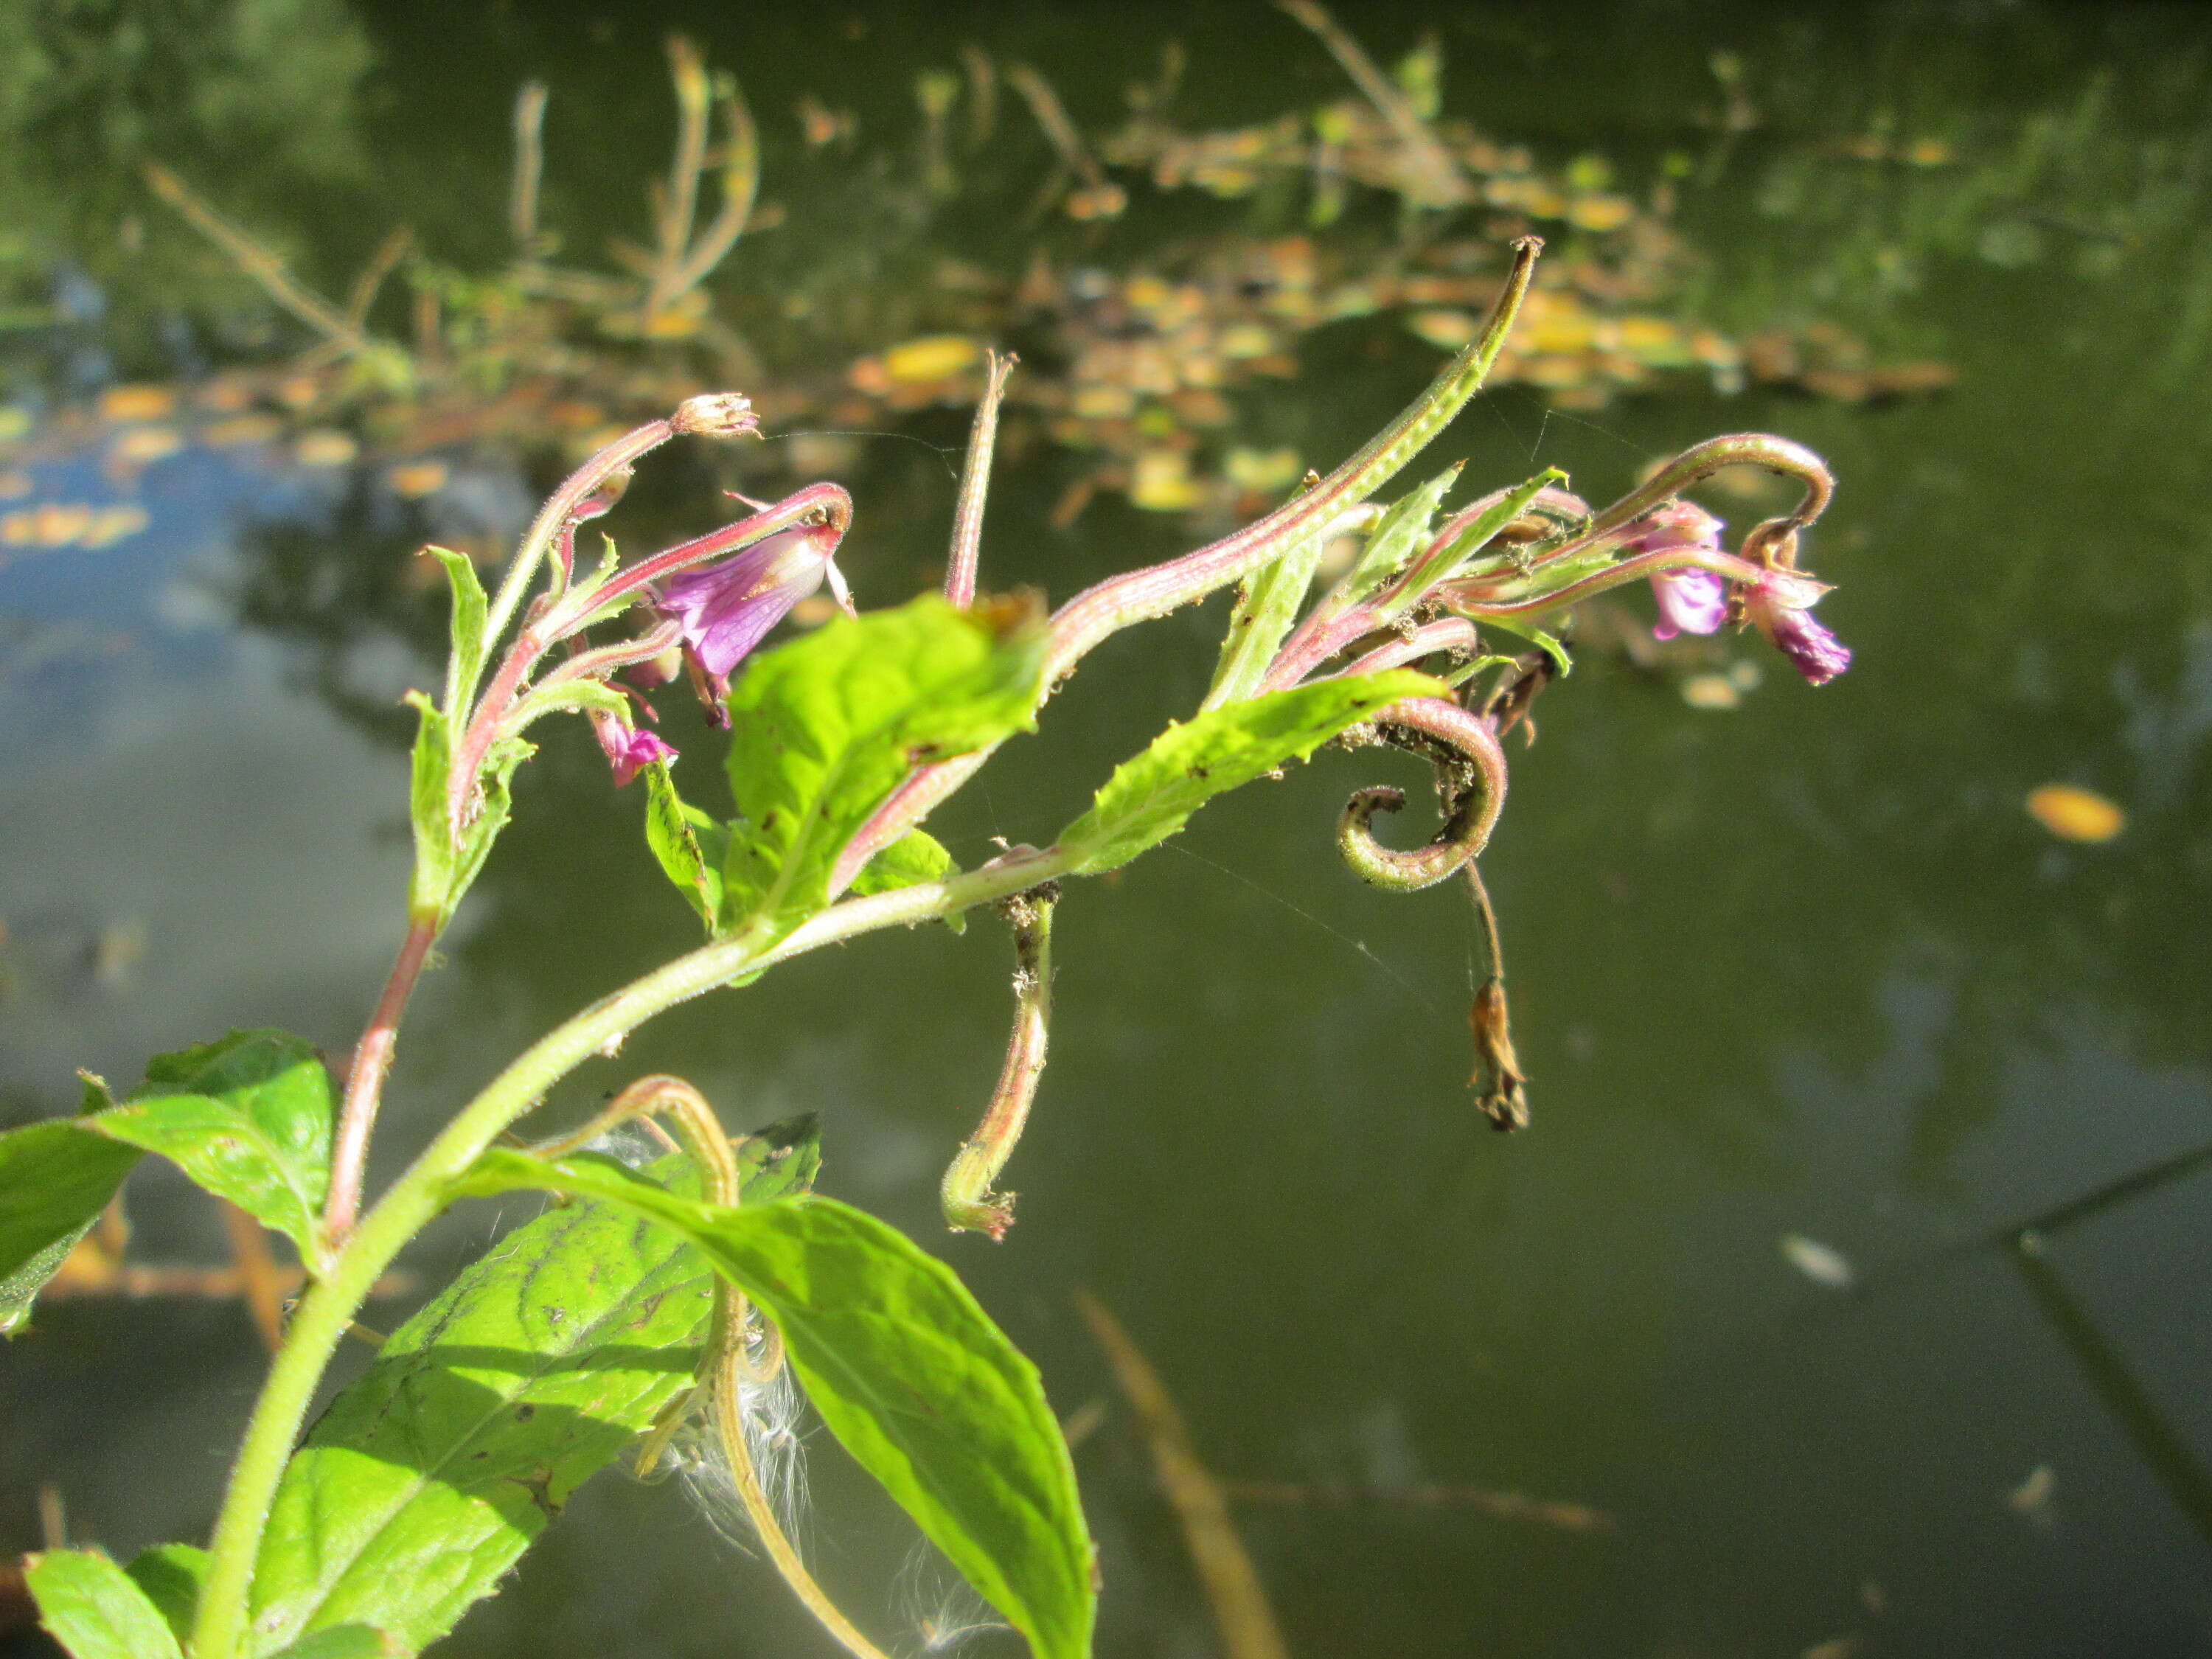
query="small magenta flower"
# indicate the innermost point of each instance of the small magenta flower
(1779, 605)
(725, 610)
(1691, 600)
(628, 750)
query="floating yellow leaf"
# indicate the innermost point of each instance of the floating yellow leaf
(1161, 482)
(325, 447)
(415, 479)
(1447, 330)
(931, 357)
(2074, 814)
(137, 403)
(146, 443)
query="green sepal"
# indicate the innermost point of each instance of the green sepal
(826, 726)
(1151, 797)
(909, 1374)
(494, 809)
(91, 1607)
(1267, 603)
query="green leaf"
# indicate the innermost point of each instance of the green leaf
(909, 1372)
(1529, 631)
(1268, 602)
(55, 1180)
(1390, 544)
(171, 1576)
(466, 661)
(92, 1608)
(428, 1478)
(914, 858)
(674, 832)
(248, 1118)
(1473, 536)
(1151, 797)
(826, 726)
(496, 806)
(432, 884)
(346, 1642)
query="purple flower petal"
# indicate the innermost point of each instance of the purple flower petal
(726, 608)
(1781, 608)
(630, 752)
(1690, 601)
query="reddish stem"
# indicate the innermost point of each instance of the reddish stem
(372, 1059)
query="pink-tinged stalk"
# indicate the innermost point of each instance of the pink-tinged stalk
(1100, 612)
(1464, 835)
(1701, 461)
(372, 1061)
(1464, 597)
(976, 484)
(1452, 634)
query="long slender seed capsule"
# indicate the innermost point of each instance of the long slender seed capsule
(976, 483)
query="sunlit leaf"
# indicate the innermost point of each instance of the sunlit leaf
(468, 625)
(1152, 796)
(1269, 602)
(909, 1374)
(171, 1576)
(346, 1642)
(248, 1118)
(432, 883)
(428, 1478)
(914, 857)
(678, 838)
(55, 1179)
(826, 726)
(2072, 813)
(1391, 545)
(91, 1607)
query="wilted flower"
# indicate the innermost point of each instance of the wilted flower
(629, 750)
(1779, 605)
(725, 610)
(716, 414)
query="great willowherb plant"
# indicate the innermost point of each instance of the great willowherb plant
(583, 1333)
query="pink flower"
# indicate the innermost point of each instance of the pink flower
(629, 750)
(725, 610)
(1780, 606)
(1690, 601)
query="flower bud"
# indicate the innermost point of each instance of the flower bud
(717, 415)
(628, 750)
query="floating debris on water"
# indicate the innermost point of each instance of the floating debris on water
(1712, 691)
(1822, 1263)
(2034, 1499)
(2072, 813)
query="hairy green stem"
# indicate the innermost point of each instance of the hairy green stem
(327, 1311)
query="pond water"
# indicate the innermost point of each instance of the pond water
(1802, 968)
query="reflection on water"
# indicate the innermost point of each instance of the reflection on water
(1804, 966)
